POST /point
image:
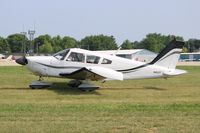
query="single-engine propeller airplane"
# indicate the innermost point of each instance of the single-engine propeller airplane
(83, 66)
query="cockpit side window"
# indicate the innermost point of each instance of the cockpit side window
(106, 61)
(92, 59)
(61, 55)
(76, 57)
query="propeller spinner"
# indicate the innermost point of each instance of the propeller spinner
(22, 61)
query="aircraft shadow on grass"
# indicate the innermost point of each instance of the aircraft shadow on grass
(154, 88)
(58, 87)
(63, 89)
(138, 88)
(16, 88)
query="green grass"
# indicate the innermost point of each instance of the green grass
(153, 105)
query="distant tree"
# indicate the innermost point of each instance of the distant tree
(69, 42)
(156, 42)
(99, 42)
(41, 40)
(46, 48)
(127, 45)
(136, 44)
(193, 45)
(153, 41)
(4, 46)
(57, 42)
(16, 42)
(185, 50)
(169, 38)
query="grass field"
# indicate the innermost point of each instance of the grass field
(156, 105)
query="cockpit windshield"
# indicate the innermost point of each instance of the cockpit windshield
(61, 55)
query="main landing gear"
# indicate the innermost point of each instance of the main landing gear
(83, 85)
(39, 84)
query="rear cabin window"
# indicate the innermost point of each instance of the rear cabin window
(76, 57)
(106, 61)
(92, 59)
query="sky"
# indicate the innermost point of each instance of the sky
(123, 19)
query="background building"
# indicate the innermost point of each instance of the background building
(184, 57)
(133, 54)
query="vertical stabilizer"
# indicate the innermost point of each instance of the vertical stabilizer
(169, 56)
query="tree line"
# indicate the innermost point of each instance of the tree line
(19, 43)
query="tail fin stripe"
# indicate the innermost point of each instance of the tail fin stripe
(172, 45)
(164, 54)
(176, 52)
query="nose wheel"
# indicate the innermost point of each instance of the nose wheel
(40, 78)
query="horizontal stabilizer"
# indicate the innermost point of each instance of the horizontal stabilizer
(174, 72)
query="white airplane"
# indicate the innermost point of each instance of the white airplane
(7, 61)
(9, 58)
(84, 66)
(2, 56)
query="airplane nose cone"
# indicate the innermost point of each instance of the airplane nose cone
(22, 61)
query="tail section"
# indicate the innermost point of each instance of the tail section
(169, 56)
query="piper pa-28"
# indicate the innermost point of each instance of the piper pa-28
(83, 66)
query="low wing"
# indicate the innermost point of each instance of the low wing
(94, 73)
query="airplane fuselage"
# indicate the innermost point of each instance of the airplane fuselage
(52, 67)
